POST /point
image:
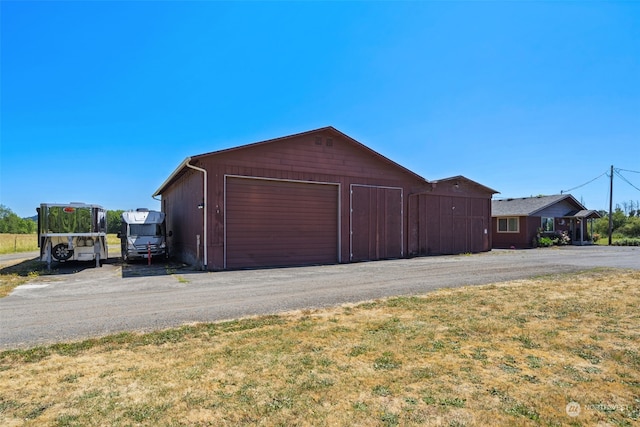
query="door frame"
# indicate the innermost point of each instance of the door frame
(260, 178)
(351, 215)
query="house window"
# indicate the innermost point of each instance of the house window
(508, 225)
(547, 224)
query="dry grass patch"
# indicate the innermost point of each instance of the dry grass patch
(18, 272)
(11, 243)
(506, 354)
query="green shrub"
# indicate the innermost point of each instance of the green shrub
(545, 242)
(631, 228)
(627, 242)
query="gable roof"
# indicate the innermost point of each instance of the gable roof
(528, 206)
(322, 129)
(186, 162)
(460, 178)
(584, 213)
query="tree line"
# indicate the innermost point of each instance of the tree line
(629, 208)
(11, 223)
(624, 224)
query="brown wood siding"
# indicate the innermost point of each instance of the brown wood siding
(301, 158)
(184, 219)
(520, 240)
(274, 223)
(533, 224)
(322, 156)
(376, 223)
(341, 162)
(440, 225)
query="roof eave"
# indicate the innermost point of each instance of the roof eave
(175, 173)
(566, 196)
(464, 178)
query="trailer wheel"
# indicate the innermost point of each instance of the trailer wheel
(61, 252)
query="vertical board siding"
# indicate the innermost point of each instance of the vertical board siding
(376, 223)
(431, 239)
(270, 222)
(443, 225)
(477, 237)
(184, 219)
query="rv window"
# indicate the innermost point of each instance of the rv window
(145, 230)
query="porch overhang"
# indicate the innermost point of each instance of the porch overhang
(583, 214)
(579, 217)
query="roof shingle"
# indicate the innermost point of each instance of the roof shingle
(527, 206)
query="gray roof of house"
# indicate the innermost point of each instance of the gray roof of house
(584, 213)
(527, 206)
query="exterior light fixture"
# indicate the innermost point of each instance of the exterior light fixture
(201, 205)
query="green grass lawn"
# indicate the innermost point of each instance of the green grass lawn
(616, 240)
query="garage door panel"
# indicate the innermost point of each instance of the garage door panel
(441, 229)
(300, 244)
(376, 223)
(278, 223)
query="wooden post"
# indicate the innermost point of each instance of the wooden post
(611, 206)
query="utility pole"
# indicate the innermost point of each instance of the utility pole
(611, 205)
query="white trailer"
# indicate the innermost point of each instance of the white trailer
(143, 235)
(72, 232)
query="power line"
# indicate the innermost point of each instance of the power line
(588, 182)
(626, 170)
(617, 172)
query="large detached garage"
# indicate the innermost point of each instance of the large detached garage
(318, 197)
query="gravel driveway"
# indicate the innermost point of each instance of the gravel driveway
(80, 301)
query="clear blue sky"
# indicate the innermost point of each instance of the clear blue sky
(101, 101)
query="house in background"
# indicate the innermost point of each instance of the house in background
(517, 222)
(317, 197)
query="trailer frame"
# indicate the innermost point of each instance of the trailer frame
(65, 235)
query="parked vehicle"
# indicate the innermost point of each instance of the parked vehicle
(143, 235)
(72, 232)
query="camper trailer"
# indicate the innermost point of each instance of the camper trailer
(143, 235)
(72, 232)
